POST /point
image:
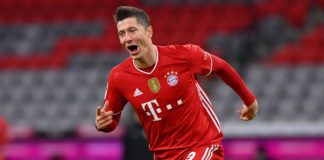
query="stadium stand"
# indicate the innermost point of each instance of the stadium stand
(55, 56)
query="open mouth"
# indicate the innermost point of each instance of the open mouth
(133, 48)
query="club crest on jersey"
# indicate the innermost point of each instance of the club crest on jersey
(172, 78)
(154, 85)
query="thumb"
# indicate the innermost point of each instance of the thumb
(244, 110)
(98, 111)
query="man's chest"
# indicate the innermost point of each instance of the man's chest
(158, 93)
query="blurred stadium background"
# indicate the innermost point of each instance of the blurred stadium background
(55, 56)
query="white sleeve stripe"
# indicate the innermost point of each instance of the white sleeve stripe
(116, 113)
(106, 90)
(208, 107)
(211, 66)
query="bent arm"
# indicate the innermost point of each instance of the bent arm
(108, 117)
(233, 79)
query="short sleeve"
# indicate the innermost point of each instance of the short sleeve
(113, 95)
(200, 60)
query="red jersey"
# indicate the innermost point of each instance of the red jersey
(170, 102)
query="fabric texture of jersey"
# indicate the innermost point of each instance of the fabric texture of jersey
(170, 102)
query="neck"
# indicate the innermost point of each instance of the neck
(149, 58)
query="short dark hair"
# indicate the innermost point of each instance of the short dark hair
(123, 12)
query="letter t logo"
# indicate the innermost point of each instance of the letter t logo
(151, 110)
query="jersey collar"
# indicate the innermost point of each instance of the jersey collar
(157, 60)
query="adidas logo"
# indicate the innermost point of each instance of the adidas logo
(137, 92)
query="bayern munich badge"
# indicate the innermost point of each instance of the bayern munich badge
(172, 78)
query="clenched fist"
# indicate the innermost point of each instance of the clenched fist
(249, 112)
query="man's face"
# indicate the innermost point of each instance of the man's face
(134, 37)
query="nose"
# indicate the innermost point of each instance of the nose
(128, 38)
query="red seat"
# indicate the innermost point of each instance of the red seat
(296, 13)
(319, 3)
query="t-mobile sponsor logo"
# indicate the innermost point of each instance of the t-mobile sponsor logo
(151, 108)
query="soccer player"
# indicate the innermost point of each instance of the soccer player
(160, 82)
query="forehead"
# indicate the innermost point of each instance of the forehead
(127, 23)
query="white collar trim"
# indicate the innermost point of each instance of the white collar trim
(157, 60)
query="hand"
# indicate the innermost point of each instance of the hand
(248, 112)
(103, 117)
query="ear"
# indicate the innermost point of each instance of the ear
(149, 31)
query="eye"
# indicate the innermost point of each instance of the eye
(132, 30)
(121, 34)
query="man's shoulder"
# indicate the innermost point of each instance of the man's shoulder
(178, 48)
(121, 67)
(124, 64)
